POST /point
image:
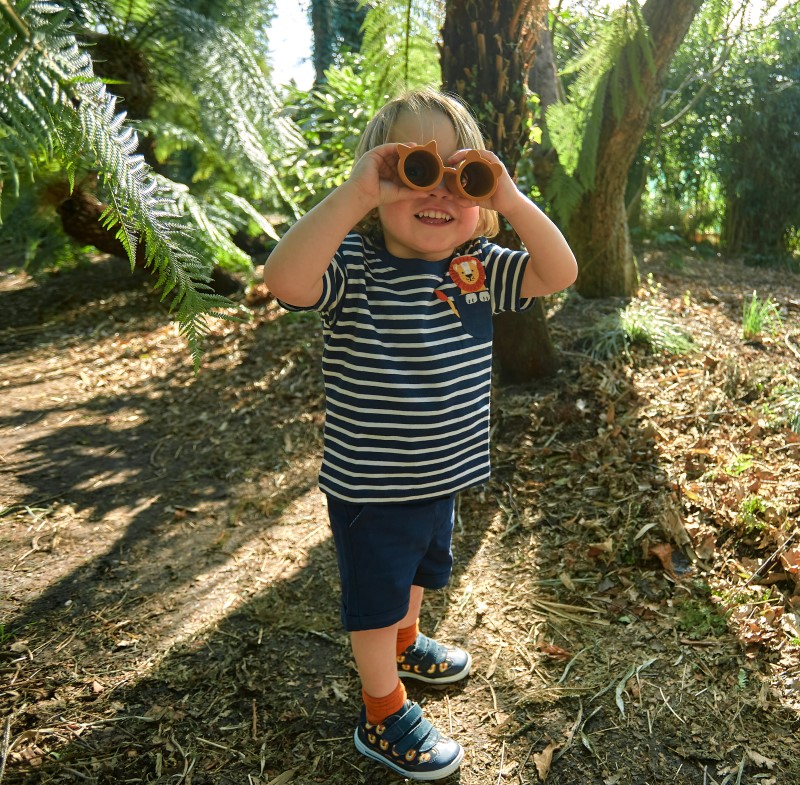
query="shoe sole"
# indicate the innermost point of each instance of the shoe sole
(422, 775)
(440, 680)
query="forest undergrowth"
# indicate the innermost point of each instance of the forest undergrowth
(627, 581)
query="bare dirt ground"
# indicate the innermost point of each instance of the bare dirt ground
(627, 581)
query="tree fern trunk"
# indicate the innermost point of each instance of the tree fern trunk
(80, 211)
(486, 52)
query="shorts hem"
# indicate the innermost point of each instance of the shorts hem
(432, 582)
(362, 623)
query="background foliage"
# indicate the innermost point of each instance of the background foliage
(718, 161)
(211, 155)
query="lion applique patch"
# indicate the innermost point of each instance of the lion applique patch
(468, 275)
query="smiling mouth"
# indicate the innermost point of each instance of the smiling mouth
(434, 215)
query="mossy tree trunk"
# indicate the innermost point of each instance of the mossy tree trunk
(598, 228)
(487, 49)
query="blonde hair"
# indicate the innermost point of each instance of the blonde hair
(468, 136)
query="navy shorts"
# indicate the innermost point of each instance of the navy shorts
(384, 549)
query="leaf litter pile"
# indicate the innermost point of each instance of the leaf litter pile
(628, 582)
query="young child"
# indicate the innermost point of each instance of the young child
(406, 284)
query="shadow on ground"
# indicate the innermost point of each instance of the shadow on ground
(170, 609)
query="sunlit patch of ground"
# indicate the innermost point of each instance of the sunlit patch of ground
(169, 594)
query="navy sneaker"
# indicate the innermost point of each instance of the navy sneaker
(429, 661)
(408, 744)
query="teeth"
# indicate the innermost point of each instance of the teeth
(434, 214)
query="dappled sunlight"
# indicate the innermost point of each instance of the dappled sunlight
(123, 468)
(172, 591)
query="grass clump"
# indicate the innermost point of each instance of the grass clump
(699, 619)
(759, 316)
(751, 514)
(638, 325)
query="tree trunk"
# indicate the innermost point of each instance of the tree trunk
(80, 211)
(486, 52)
(335, 24)
(598, 228)
(543, 80)
(523, 348)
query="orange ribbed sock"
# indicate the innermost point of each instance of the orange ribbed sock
(407, 636)
(378, 709)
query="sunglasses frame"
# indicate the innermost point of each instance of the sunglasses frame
(489, 171)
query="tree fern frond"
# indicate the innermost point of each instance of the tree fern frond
(32, 238)
(564, 193)
(81, 116)
(172, 137)
(251, 213)
(400, 40)
(228, 58)
(238, 109)
(209, 236)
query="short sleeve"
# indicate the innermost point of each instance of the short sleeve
(333, 287)
(504, 271)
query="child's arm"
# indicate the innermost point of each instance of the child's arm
(294, 270)
(552, 266)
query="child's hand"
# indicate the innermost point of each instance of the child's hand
(375, 176)
(505, 195)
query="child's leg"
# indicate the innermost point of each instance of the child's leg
(378, 548)
(407, 627)
(374, 652)
(419, 657)
(414, 605)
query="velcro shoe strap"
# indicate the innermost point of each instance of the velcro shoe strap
(403, 724)
(426, 648)
(423, 736)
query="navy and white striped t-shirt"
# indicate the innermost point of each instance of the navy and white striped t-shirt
(407, 369)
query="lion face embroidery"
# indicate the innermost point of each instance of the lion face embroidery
(469, 276)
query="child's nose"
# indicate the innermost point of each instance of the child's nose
(441, 188)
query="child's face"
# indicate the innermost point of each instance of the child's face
(431, 224)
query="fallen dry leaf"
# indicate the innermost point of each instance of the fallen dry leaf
(706, 546)
(544, 760)
(663, 552)
(556, 652)
(791, 560)
(283, 779)
(759, 759)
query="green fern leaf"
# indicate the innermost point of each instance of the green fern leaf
(63, 109)
(400, 42)
(602, 72)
